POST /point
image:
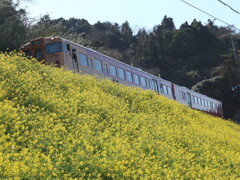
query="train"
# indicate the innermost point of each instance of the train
(80, 59)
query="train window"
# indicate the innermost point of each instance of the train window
(66, 48)
(113, 70)
(161, 88)
(214, 105)
(37, 42)
(193, 100)
(164, 89)
(151, 85)
(202, 102)
(129, 76)
(98, 65)
(209, 104)
(155, 85)
(90, 63)
(169, 90)
(105, 68)
(147, 80)
(121, 73)
(38, 54)
(205, 103)
(54, 47)
(136, 78)
(83, 59)
(183, 95)
(199, 101)
(143, 81)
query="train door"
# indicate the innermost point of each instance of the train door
(74, 58)
(173, 92)
(69, 61)
(189, 99)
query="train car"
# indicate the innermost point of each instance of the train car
(62, 52)
(198, 101)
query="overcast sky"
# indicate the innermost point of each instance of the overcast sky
(139, 13)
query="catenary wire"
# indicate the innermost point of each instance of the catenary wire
(210, 15)
(229, 6)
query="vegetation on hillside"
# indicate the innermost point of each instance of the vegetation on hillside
(195, 55)
(55, 124)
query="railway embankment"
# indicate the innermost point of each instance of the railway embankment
(55, 124)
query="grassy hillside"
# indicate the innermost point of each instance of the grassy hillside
(58, 125)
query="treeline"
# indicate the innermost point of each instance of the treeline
(198, 56)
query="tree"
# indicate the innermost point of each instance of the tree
(216, 87)
(166, 25)
(225, 87)
(126, 30)
(184, 26)
(184, 43)
(219, 88)
(13, 25)
(231, 71)
(43, 28)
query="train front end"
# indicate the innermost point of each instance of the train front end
(46, 50)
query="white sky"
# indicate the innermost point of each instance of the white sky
(138, 13)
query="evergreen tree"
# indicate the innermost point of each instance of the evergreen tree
(13, 25)
(126, 30)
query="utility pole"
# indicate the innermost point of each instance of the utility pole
(233, 46)
(234, 50)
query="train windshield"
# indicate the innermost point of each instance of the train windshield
(54, 47)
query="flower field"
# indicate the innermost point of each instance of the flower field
(55, 124)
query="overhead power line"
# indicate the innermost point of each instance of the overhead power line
(210, 15)
(229, 6)
(231, 26)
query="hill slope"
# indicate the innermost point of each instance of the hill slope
(56, 124)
